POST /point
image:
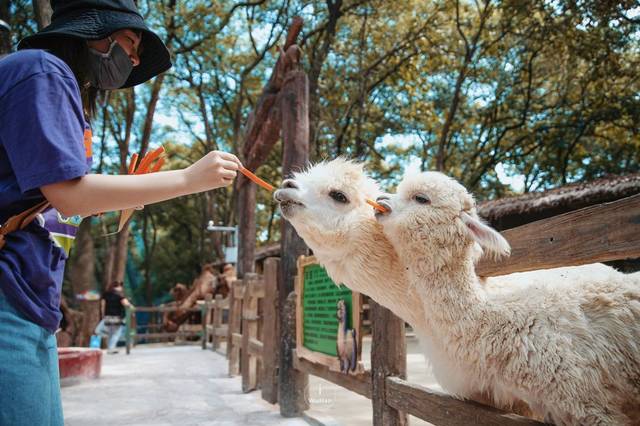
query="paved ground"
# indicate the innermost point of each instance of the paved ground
(184, 385)
(332, 405)
(166, 386)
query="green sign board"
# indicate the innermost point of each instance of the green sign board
(320, 298)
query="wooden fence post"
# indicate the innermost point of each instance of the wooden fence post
(293, 386)
(217, 322)
(235, 324)
(270, 331)
(388, 358)
(127, 329)
(248, 361)
(294, 98)
(204, 312)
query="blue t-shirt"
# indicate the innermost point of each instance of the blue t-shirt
(42, 129)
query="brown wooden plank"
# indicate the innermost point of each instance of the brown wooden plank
(221, 303)
(236, 338)
(248, 361)
(441, 409)
(360, 384)
(255, 348)
(388, 358)
(217, 329)
(163, 309)
(166, 335)
(270, 332)
(609, 231)
(235, 324)
(221, 331)
(294, 103)
(297, 396)
(257, 289)
(206, 318)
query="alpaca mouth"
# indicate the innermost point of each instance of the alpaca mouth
(286, 202)
(288, 207)
(387, 207)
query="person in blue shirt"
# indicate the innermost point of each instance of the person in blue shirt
(47, 95)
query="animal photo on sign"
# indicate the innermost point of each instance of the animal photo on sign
(328, 320)
(346, 345)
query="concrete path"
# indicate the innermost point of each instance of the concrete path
(332, 405)
(166, 386)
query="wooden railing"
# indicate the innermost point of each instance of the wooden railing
(217, 327)
(135, 333)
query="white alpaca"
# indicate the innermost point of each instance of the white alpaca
(326, 205)
(565, 341)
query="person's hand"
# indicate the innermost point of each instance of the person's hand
(214, 170)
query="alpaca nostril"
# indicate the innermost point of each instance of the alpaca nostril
(383, 198)
(290, 183)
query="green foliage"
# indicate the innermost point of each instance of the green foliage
(546, 90)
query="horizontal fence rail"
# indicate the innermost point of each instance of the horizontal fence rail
(600, 233)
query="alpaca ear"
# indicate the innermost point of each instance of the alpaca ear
(488, 238)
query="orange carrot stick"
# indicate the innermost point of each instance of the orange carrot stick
(149, 158)
(376, 206)
(158, 165)
(133, 163)
(256, 179)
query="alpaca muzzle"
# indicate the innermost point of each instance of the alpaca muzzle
(286, 201)
(385, 202)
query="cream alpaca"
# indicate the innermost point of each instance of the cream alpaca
(326, 205)
(565, 341)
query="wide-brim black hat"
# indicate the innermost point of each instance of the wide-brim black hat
(98, 19)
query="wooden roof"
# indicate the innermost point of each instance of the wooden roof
(510, 212)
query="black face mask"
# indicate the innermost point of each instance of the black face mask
(109, 70)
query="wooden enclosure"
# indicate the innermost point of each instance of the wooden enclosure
(152, 332)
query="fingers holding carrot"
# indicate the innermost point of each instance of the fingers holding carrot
(215, 170)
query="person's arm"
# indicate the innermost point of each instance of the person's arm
(125, 302)
(93, 193)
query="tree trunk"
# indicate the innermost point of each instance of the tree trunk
(108, 265)
(318, 58)
(295, 155)
(120, 254)
(43, 12)
(82, 279)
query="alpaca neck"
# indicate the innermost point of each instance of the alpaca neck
(452, 295)
(365, 261)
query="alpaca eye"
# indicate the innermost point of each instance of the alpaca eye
(422, 199)
(339, 197)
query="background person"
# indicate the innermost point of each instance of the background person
(112, 309)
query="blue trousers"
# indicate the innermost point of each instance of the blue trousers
(29, 377)
(111, 332)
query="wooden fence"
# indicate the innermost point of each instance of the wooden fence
(250, 333)
(151, 332)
